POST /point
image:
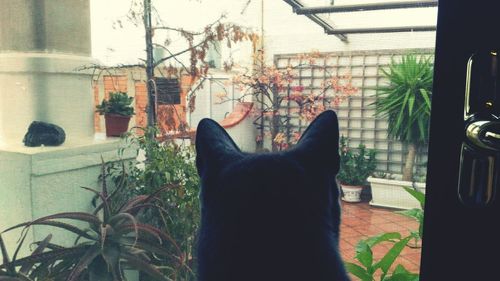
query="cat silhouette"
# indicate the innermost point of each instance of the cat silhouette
(269, 216)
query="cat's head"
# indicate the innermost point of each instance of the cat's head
(266, 206)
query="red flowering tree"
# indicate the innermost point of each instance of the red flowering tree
(280, 97)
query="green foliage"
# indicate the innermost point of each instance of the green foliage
(118, 103)
(167, 163)
(114, 240)
(355, 167)
(368, 266)
(416, 213)
(406, 100)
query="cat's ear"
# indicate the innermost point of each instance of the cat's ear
(319, 144)
(214, 146)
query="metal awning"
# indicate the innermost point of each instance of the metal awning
(313, 14)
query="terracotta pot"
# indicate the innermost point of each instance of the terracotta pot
(351, 193)
(116, 124)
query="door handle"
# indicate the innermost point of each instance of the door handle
(479, 175)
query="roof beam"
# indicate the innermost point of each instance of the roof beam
(296, 5)
(366, 7)
(381, 29)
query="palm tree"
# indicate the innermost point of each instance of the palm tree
(406, 102)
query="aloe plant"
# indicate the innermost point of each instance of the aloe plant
(367, 268)
(9, 272)
(406, 102)
(115, 240)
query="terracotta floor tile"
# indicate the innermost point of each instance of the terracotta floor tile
(353, 240)
(348, 255)
(360, 221)
(368, 229)
(353, 221)
(396, 217)
(390, 227)
(414, 258)
(413, 225)
(348, 232)
(374, 219)
(363, 213)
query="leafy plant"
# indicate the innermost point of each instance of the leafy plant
(115, 240)
(367, 268)
(406, 103)
(416, 213)
(118, 103)
(166, 163)
(355, 166)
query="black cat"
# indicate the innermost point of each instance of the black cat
(272, 216)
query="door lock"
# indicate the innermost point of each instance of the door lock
(479, 175)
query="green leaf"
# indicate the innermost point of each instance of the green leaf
(417, 214)
(425, 95)
(393, 253)
(401, 274)
(417, 195)
(389, 236)
(364, 254)
(358, 271)
(411, 103)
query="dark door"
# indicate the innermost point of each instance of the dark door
(460, 242)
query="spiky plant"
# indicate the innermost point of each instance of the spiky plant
(118, 103)
(406, 102)
(115, 240)
(9, 272)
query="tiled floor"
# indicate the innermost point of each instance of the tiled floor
(360, 220)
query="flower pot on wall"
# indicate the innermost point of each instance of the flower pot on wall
(351, 193)
(116, 124)
(391, 194)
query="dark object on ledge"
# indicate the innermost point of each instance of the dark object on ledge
(42, 133)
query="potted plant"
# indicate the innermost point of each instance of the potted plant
(405, 102)
(355, 167)
(117, 111)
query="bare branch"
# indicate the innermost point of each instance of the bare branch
(171, 56)
(193, 33)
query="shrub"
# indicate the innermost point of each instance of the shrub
(355, 166)
(166, 163)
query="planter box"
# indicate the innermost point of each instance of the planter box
(391, 194)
